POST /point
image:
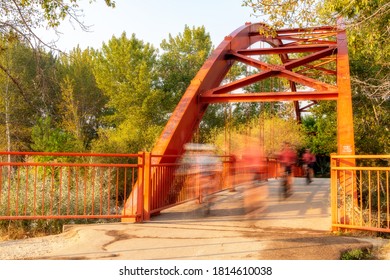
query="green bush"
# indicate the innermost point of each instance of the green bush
(357, 254)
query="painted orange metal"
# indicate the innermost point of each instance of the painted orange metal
(345, 130)
(318, 43)
(345, 135)
(58, 187)
(371, 211)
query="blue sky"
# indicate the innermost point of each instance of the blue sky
(153, 20)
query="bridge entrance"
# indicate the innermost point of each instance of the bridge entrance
(311, 65)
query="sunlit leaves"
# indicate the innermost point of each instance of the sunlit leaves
(182, 57)
(125, 70)
(22, 17)
(283, 13)
(82, 102)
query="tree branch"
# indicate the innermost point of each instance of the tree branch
(16, 82)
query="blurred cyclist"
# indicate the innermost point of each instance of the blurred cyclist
(287, 158)
(308, 164)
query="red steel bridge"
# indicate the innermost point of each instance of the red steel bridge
(312, 64)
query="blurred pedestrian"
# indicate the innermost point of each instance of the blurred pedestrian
(203, 170)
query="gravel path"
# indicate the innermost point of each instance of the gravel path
(34, 248)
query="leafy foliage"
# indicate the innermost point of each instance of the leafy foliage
(34, 94)
(281, 13)
(320, 128)
(268, 131)
(183, 56)
(82, 102)
(46, 138)
(125, 72)
(357, 254)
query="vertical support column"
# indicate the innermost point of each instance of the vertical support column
(345, 131)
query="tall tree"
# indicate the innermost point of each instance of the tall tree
(82, 102)
(125, 72)
(182, 57)
(37, 76)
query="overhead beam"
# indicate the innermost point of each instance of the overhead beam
(268, 96)
(244, 82)
(280, 50)
(310, 58)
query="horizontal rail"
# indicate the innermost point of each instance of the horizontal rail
(68, 164)
(360, 156)
(60, 154)
(354, 227)
(21, 217)
(361, 168)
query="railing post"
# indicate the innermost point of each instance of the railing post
(147, 185)
(232, 173)
(140, 188)
(333, 191)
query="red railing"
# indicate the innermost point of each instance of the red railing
(37, 185)
(176, 188)
(361, 193)
(166, 187)
(65, 185)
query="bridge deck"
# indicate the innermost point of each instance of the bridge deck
(260, 205)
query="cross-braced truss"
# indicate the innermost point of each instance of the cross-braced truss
(305, 63)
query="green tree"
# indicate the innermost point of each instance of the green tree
(368, 25)
(182, 57)
(82, 102)
(282, 13)
(320, 127)
(125, 70)
(371, 124)
(321, 134)
(19, 20)
(36, 74)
